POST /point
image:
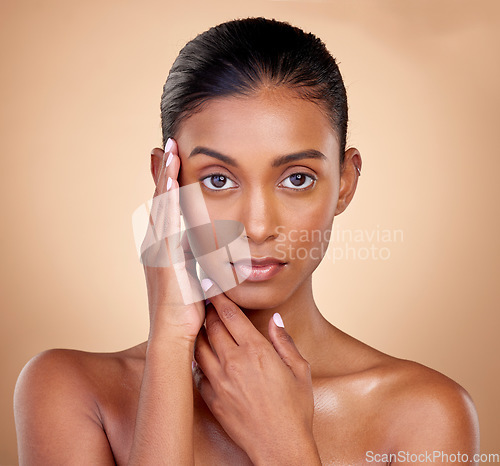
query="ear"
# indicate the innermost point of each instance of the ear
(348, 178)
(156, 161)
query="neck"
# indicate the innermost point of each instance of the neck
(302, 320)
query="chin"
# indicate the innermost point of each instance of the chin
(251, 298)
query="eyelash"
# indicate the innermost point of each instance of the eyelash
(313, 178)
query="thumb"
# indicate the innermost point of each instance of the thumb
(285, 347)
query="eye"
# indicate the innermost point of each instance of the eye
(299, 181)
(218, 182)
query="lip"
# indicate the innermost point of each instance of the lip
(262, 268)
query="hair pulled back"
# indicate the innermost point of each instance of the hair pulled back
(242, 56)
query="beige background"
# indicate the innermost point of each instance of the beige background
(80, 92)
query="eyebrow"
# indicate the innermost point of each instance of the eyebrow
(278, 161)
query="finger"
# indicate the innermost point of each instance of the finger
(218, 335)
(188, 252)
(183, 265)
(206, 367)
(150, 247)
(188, 255)
(165, 163)
(204, 355)
(165, 209)
(165, 216)
(169, 186)
(285, 346)
(158, 159)
(203, 385)
(233, 318)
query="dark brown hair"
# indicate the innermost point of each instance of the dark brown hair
(240, 56)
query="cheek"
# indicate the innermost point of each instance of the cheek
(307, 232)
(306, 240)
(314, 240)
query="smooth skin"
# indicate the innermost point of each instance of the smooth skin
(261, 394)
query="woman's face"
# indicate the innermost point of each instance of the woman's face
(286, 204)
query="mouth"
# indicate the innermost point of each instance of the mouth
(260, 269)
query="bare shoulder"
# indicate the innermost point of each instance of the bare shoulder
(420, 400)
(60, 392)
(418, 408)
(81, 373)
(404, 405)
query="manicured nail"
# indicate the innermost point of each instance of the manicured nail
(278, 320)
(169, 145)
(206, 283)
(169, 159)
(169, 183)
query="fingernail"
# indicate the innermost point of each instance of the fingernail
(169, 159)
(194, 365)
(278, 320)
(169, 183)
(207, 302)
(168, 145)
(206, 283)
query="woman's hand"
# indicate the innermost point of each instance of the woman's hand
(174, 294)
(164, 421)
(261, 393)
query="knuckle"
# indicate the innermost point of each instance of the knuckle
(257, 352)
(227, 311)
(283, 336)
(231, 355)
(214, 324)
(259, 356)
(222, 390)
(305, 367)
(231, 367)
(288, 362)
(216, 407)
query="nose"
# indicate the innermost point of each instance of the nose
(259, 215)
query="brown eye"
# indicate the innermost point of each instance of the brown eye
(217, 182)
(299, 181)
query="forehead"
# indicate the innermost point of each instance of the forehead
(274, 121)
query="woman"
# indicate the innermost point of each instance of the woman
(255, 113)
